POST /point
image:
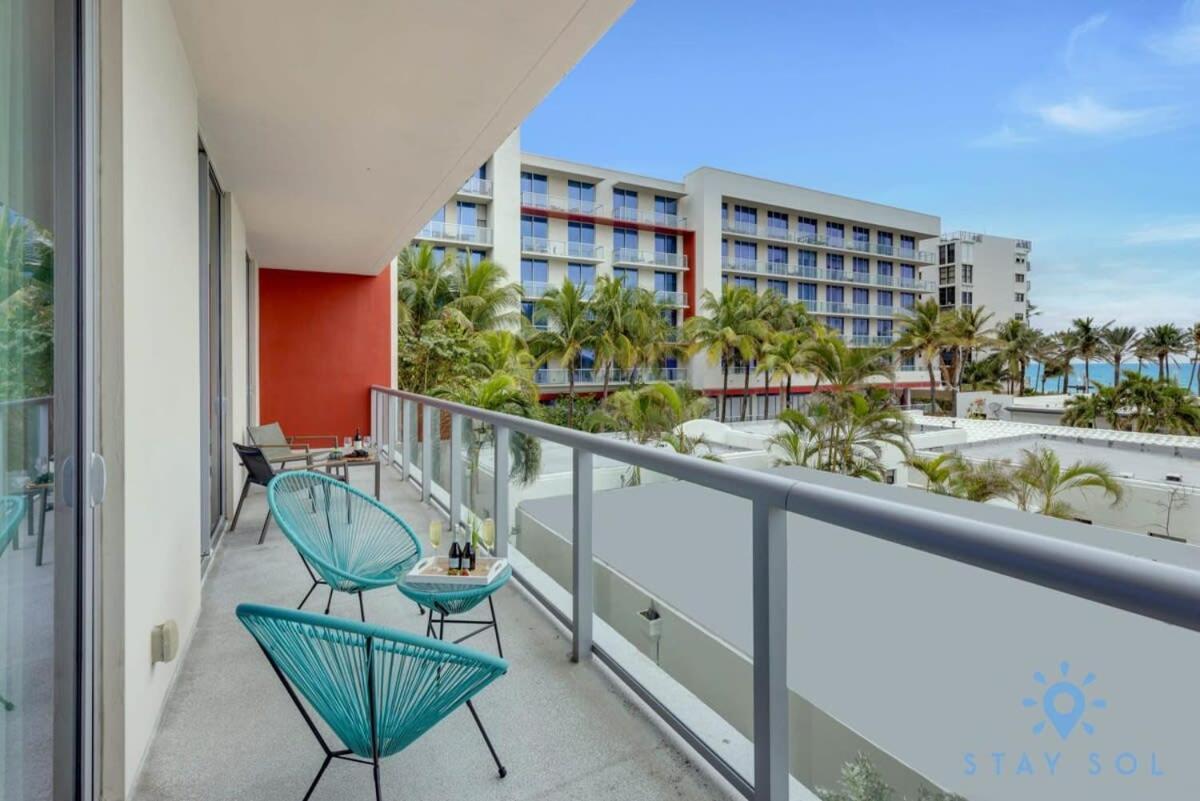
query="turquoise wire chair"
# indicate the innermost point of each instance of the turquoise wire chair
(378, 689)
(12, 509)
(352, 541)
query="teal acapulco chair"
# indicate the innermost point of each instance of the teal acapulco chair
(348, 540)
(378, 689)
(12, 509)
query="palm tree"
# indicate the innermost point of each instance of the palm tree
(1088, 338)
(1045, 480)
(1084, 411)
(967, 331)
(924, 336)
(936, 470)
(786, 355)
(484, 296)
(570, 330)
(1015, 342)
(1118, 344)
(843, 368)
(725, 330)
(613, 306)
(1194, 337)
(981, 481)
(647, 414)
(507, 393)
(1162, 342)
(423, 285)
(843, 433)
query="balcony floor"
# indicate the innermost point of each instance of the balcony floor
(564, 731)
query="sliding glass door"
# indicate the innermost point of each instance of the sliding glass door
(44, 553)
(212, 366)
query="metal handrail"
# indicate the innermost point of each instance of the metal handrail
(1162, 592)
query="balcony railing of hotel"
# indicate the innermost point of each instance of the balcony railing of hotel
(658, 259)
(648, 217)
(843, 534)
(557, 376)
(806, 237)
(562, 250)
(477, 186)
(570, 205)
(534, 289)
(456, 233)
(669, 298)
(822, 274)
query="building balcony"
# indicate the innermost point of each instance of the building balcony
(805, 238)
(534, 289)
(557, 249)
(535, 200)
(481, 187)
(674, 261)
(648, 217)
(455, 233)
(864, 341)
(670, 298)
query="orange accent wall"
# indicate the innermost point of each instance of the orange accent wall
(324, 339)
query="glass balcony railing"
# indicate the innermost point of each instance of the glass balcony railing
(534, 289)
(670, 298)
(570, 205)
(477, 186)
(654, 257)
(563, 250)
(453, 232)
(811, 238)
(648, 217)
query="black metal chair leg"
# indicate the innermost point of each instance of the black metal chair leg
(266, 523)
(7, 704)
(378, 789)
(496, 628)
(320, 773)
(329, 602)
(41, 539)
(238, 511)
(308, 594)
(503, 770)
(362, 613)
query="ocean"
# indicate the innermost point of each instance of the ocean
(1181, 372)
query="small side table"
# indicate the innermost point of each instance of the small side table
(455, 601)
(333, 466)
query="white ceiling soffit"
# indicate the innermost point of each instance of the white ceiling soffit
(341, 126)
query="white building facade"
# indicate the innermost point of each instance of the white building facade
(979, 270)
(855, 265)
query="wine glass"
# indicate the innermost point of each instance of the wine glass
(489, 533)
(367, 442)
(347, 444)
(435, 533)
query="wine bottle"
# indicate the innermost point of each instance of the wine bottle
(357, 439)
(455, 556)
(469, 555)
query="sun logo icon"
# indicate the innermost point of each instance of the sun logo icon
(1064, 702)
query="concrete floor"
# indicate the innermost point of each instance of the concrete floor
(564, 731)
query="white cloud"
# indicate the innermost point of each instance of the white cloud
(1181, 44)
(1004, 136)
(1085, 115)
(1179, 231)
(1079, 31)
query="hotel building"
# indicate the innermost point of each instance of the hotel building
(980, 270)
(854, 264)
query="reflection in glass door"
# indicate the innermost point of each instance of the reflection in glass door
(212, 384)
(40, 331)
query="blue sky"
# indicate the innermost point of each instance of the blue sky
(1075, 125)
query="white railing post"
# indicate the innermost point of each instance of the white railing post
(406, 437)
(392, 428)
(500, 491)
(456, 470)
(769, 603)
(581, 556)
(427, 415)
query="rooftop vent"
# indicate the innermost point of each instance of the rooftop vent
(1175, 477)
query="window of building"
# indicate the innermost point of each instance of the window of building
(478, 256)
(582, 275)
(1019, 297)
(581, 196)
(907, 300)
(1020, 277)
(946, 253)
(626, 199)
(626, 277)
(883, 297)
(775, 285)
(862, 237)
(862, 267)
(908, 362)
(745, 215)
(862, 297)
(481, 173)
(884, 241)
(806, 258)
(968, 274)
(724, 212)
(625, 239)
(968, 299)
(806, 227)
(946, 296)
(535, 271)
(908, 272)
(776, 259)
(908, 244)
(1019, 316)
(439, 254)
(665, 243)
(439, 216)
(666, 209)
(835, 234)
(533, 232)
(582, 236)
(666, 282)
(837, 324)
(946, 275)
(834, 262)
(860, 327)
(745, 281)
(884, 268)
(835, 294)
(884, 328)
(745, 252)
(533, 184)
(806, 292)
(777, 223)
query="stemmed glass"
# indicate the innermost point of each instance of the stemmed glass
(435, 533)
(489, 533)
